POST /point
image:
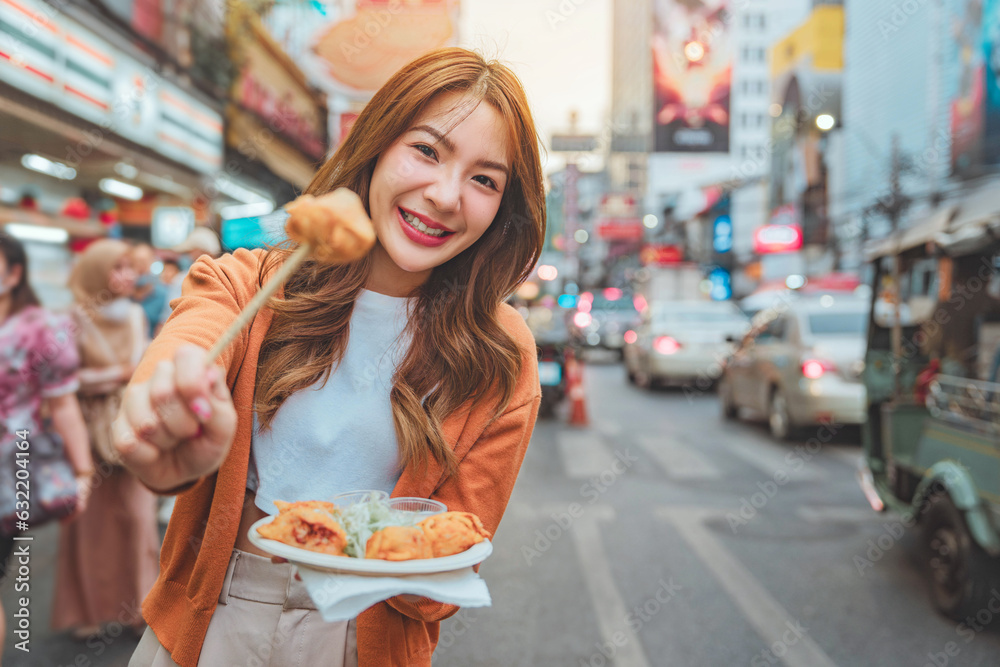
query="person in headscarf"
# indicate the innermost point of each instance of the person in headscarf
(108, 558)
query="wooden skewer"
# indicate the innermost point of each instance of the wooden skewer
(259, 299)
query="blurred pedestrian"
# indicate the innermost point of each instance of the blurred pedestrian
(38, 371)
(171, 277)
(108, 558)
(433, 376)
(201, 241)
(150, 291)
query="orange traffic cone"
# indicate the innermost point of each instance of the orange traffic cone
(577, 396)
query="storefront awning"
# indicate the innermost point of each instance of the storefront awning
(957, 228)
(913, 236)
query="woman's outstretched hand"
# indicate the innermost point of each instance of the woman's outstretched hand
(177, 426)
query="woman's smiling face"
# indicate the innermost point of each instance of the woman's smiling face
(436, 190)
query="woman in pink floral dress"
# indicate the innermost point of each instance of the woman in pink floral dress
(38, 365)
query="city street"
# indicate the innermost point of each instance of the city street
(664, 536)
(651, 571)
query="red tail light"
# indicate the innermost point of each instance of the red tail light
(814, 368)
(666, 345)
(631, 336)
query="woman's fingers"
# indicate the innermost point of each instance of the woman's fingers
(137, 433)
(178, 425)
(206, 394)
(191, 379)
(176, 419)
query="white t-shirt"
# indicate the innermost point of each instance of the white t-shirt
(339, 437)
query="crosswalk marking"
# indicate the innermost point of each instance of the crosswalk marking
(609, 429)
(604, 596)
(680, 461)
(584, 454)
(769, 458)
(767, 617)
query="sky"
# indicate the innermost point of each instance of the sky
(560, 49)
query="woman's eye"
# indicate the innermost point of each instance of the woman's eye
(487, 181)
(426, 150)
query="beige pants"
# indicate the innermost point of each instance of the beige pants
(264, 618)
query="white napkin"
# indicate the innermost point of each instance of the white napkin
(340, 597)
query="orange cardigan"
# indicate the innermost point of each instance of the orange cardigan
(202, 531)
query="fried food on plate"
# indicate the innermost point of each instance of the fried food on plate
(307, 528)
(453, 532)
(284, 506)
(399, 543)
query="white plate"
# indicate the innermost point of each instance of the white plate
(365, 566)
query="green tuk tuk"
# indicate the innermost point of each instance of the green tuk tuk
(932, 436)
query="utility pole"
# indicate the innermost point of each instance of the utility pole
(892, 207)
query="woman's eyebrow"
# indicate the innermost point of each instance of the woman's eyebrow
(450, 145)
(440, 138)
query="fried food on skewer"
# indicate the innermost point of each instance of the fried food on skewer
(333, 228)
(335, 225)
(311, 529)
(453, 532)
(399, 543)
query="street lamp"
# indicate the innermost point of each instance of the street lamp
(650, 221)
(694, 51)
(825, 122)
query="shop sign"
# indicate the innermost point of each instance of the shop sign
(618, 206)
(272, 88)
(722, 234)
(620, 231)
(171, 225)
(660, 255)
(771, 239)
(721, 284)
(53, 58)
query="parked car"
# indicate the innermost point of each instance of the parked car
(602, 318)
(683, 341)
(800, 365)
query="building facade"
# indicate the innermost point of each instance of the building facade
(921, 76)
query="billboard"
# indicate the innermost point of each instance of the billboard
(975, 96)
(991, 93)
(967, 101)
(352, 47)
(692, 75)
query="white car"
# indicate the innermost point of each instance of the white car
(683, 342)
(801, 366)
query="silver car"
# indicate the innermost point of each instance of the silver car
(800, 365)
(682, 342)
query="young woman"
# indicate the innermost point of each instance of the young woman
(38, 368)
(108, 557)
(404, 371)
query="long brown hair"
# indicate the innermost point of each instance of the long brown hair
(460, 352)
(22, 295)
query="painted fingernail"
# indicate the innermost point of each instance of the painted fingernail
(202, 409)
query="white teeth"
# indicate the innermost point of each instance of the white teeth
(416, 224)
